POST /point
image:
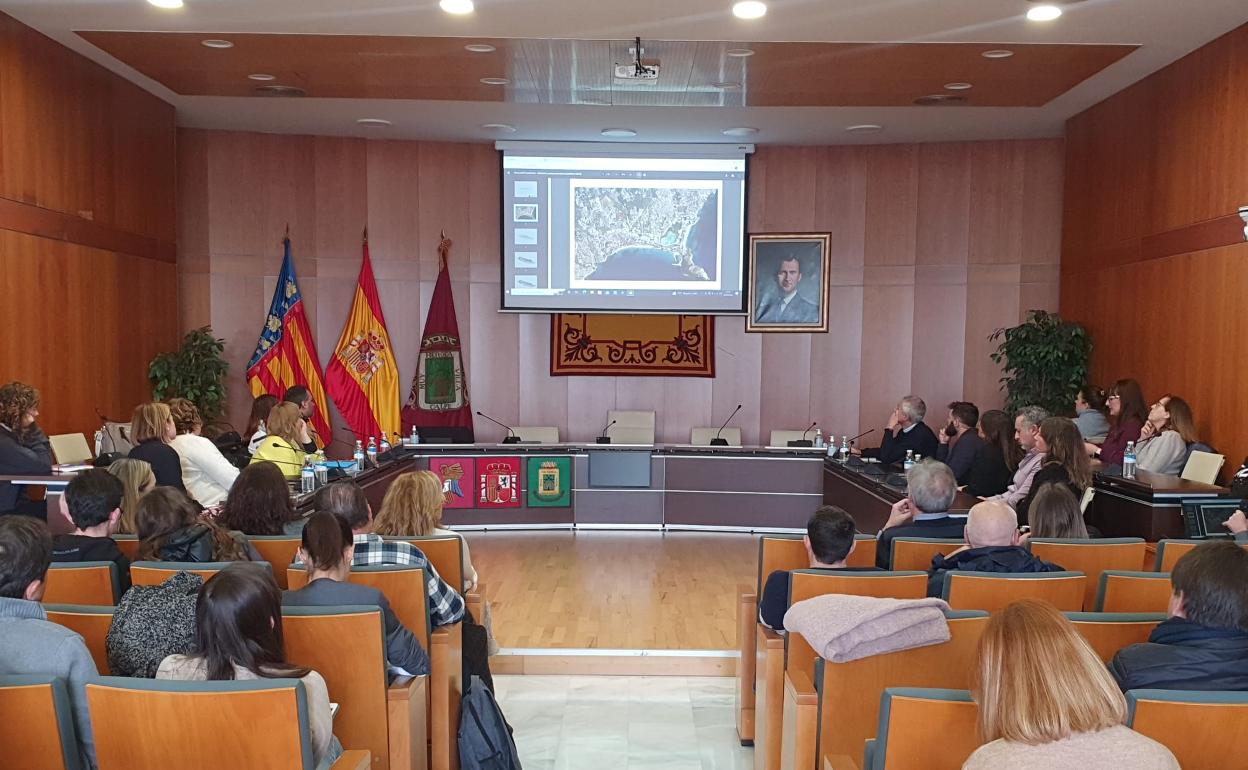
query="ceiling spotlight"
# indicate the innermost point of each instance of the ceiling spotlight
(261, 76)
(865, 128)
(167, 4)
(374, 122)
(739, 53)
(618, 133)
(957, 86)
(1043, 12)
(480, 48)
(457, 7)
(505, 128)
(997, 53)
(740, 131)
(495, 81)
(749, 9)
(216, 43)
(727, 86)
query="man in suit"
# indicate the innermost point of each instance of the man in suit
(906, 431)
(924, 512)
(787, 306)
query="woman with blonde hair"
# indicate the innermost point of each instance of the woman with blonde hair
(205, 471)
(151, 430)
(137, 479)
(412, 507)
(1047, 700)
(283, 446)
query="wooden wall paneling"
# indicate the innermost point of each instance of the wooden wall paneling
(992, 301)
(786, 204)
(442, 208)
(939, 333)
(687, 402)
(887, 349)
(544, 399)
(738, 376)
(784, 398)
(835, 361)
(943, 204)
(997, 205)
(841, 203)
(1041, 199)
(891, 204)
(588, 401)
(340, 195)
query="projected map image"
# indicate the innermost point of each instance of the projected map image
(658, 232)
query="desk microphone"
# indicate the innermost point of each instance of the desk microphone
(511, 437)
(860, 435)
(717, 441)
(603, 438)
(803, 441)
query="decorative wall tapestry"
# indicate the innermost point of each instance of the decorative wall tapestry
(632, 345)
(550, 482)
(498, 482)
(458, 480)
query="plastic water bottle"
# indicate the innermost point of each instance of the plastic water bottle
(819, 437)
(359, 456)
(844, 449)
(909, 461)
(1128, 461)
(415, 439)
(385, 445)
(372, 450)
(307, 477)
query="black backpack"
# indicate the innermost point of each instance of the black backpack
(484, 736)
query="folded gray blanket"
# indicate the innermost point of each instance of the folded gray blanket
(842, 628)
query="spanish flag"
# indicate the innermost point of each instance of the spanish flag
(286, 354)
(363, 376)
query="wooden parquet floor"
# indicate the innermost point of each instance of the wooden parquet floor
(614, 590)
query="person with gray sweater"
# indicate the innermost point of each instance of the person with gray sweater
(29, 642)
(1162, 447)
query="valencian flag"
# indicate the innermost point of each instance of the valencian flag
(439, 396)
(362, 374)
(286, 354)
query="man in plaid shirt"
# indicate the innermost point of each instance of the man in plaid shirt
(347, 501)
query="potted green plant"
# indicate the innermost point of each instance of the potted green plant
(196, 371)
(1044, 360)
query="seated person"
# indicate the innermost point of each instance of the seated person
(829, 541)
(1055, 513)
(206, 473)
(959, 440)
(997, 457)
(260, 408)
(1128, 411)
(29, 643)
(1162, 447)
(1204, 643)
(1046, 700)
(24, 449)
(905, 431)
(136, 479)
(327, 550)
(238, 636)
(284, 444)
(1090, 413)
(992, 545)
(171, 529)
(92, 503)
(260, 504)
(151, 623)
(1026, 432)
(412, 507)
(1065, 461)
(924, 512)
(1238, 525)
(346, 501)
(152, 430)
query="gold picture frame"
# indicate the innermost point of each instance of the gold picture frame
(781, 300)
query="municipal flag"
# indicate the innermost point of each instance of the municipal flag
(439, 395)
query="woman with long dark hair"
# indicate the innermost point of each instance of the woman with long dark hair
(170, 528)
(1164, 440)
(1128, 411)
(1054, 512)
(260, 504)
(256, 430)
(1064, 463)
(995, 461)
(238, 636)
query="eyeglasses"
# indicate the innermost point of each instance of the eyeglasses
(1113, 398)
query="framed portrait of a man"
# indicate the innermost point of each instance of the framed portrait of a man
(788, 283)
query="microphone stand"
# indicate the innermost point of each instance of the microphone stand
(603, 438)
(717, 441)
(803, 441)
(511, 437)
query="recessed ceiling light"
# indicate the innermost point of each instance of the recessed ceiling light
(374, 122)
(727, 86)
(749, 9)
(168, 4)
(480, 48)
(261, 76)
(495, 81)
(505, 128)
(619, 133)
(740, 131)
(216, 43)
(957, 86)
(739, 53)
(997, 53)
(457, 7)
(1043, 12)
(865, 128)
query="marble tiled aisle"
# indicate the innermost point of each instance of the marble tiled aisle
(623, 723)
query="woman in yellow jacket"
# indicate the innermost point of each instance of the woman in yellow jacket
(288, 434)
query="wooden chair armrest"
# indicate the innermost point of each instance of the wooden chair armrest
(803, 690)
(475, 602)
(839, 762)
(354, 759)
(408, 688)
(407, 715)
(446, 688)
(771, 637)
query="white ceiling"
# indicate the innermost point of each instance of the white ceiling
(1165, 30)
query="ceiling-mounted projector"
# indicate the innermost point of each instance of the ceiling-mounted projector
(646, 74)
